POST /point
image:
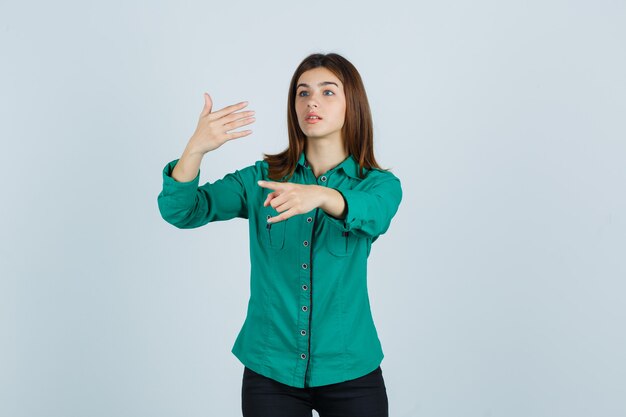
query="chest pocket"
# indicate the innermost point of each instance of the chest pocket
(340, 243)
(271, 234)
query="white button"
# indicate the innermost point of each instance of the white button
(304, 287)
(303, 356)
(308, 219)
(323, 178)
(304, 266)
(303, 332)
(304, 308)
(305, 243)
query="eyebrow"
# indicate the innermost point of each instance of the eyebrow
(320, 84)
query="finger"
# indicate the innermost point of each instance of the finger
(280, 207)
(278, 201)
(270, 184)
(208, 105)
(237, 135)
(282, 216)
(239, 123)
(236, 116)
(269, 198)
(229, 109)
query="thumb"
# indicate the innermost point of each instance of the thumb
(208, 105)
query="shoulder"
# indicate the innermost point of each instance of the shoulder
(381, 182)
(380, 173)
(376, 176)
(253, 172)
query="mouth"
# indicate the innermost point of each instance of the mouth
(312, 118)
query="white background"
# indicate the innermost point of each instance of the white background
(497, 291)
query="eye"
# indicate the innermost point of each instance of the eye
(301, 92)
(330, 91)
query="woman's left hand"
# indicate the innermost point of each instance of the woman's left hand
(290, 199)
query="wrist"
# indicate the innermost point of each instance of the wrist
(325, 197)
(192, 152)
(333, 202)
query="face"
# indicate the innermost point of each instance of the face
(320, 91)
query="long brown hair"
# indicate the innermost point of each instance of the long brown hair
(357, 130)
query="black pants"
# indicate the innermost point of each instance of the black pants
(365, 396)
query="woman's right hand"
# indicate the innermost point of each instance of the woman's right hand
(213, 128)
(211, 133)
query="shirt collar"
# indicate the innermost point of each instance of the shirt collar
(302, 160)
(349, 165)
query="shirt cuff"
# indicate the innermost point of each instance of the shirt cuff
(178, 189)
(355, 209)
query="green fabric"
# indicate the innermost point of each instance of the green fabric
(308, 321)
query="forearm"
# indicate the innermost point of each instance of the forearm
(333, 203)
(187, 167)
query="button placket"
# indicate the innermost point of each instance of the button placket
(304, 315)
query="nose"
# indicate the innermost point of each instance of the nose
(312, 101)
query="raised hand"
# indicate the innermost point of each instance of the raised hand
(211, 133)
(213, 129)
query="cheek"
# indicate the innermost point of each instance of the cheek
(301, 107)
(343, 112)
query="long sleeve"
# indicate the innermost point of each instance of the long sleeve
(371, 205)
(187, 205)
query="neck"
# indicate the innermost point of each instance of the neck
(323, 155)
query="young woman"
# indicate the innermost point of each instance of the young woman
(314, 210)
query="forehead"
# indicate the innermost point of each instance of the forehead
(315, 76)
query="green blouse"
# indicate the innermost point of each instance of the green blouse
(308, 321)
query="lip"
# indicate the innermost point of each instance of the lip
(312, 121)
